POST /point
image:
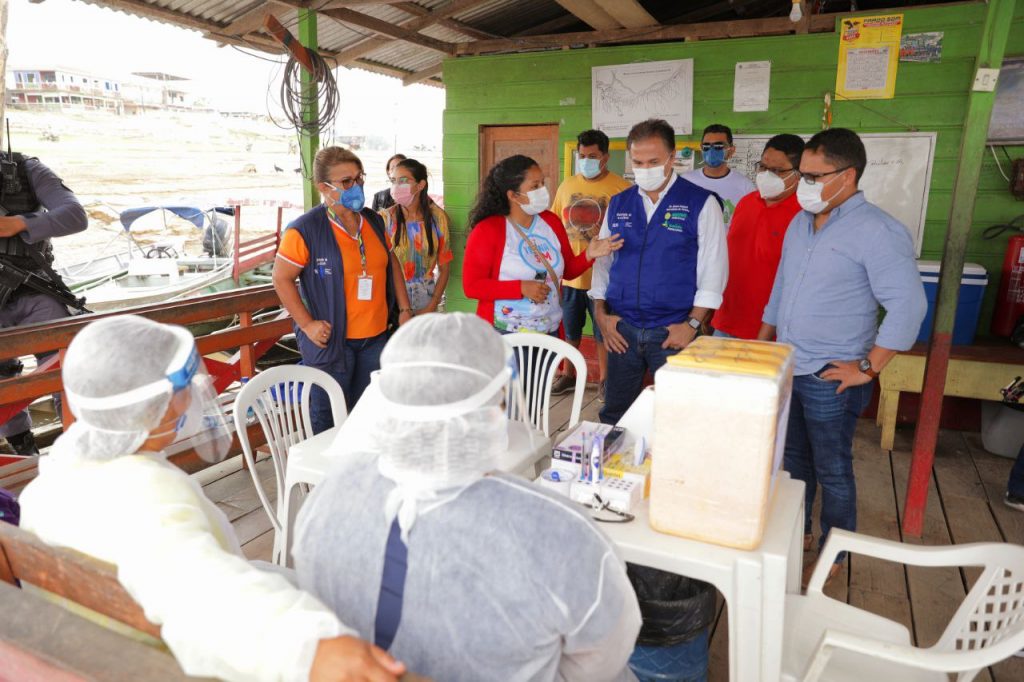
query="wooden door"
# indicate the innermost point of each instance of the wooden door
(539, 142)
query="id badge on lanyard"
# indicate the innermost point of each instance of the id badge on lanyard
(365, 289)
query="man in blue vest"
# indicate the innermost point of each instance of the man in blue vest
(652, 296)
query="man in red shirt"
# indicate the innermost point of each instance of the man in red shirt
(755, 238)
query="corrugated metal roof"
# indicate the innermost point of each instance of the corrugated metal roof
(401, 58)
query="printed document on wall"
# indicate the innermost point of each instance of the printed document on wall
(625, 94)
(869, 53)
(751, 86)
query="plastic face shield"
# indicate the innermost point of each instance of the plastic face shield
(203, 425)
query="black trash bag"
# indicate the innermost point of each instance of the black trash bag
(674, 608)
(216, 238)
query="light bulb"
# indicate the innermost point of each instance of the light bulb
(796, 14)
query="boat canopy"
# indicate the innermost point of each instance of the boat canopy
(194, 215)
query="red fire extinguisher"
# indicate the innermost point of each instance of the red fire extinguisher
(1010, 300)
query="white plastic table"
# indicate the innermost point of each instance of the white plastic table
(754, 583)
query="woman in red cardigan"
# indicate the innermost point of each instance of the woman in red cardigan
(518, 252)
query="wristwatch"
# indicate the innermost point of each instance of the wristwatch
(865, 367)
(694, 323)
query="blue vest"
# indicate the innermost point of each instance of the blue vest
(322, 285)
(653, 278)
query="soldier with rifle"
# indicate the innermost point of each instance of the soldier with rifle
(35, 206)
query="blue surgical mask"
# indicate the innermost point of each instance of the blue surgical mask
(714, 157)
(352, 198)
(588, 168)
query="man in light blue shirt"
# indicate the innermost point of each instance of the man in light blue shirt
(841, 259)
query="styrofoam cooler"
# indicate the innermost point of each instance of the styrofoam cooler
(968, 309)
(720, 415)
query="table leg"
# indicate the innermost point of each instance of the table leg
(795, 558)
(746, 616)
(891, 403)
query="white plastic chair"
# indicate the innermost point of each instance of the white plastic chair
(539, 356)
(279, 398)
(828, 640)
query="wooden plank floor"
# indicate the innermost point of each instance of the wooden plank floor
(964, 505)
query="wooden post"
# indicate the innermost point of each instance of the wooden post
(972, 149)
(308, 143)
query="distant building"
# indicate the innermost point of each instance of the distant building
(63, 88)
(154, 90)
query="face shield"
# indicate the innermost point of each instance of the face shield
(200, 423)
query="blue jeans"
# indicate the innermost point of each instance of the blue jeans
(723, 335)
(626, 370)
(1015, 486)
(362, 356)
(819, 448)
(575, 306)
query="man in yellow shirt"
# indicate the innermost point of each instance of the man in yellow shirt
(580, 202)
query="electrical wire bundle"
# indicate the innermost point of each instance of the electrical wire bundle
(324, 96)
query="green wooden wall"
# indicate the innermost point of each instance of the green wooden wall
(554, 87)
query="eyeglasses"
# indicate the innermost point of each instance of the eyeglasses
(400, 181)
(705, 146)
(778, 171)
(812, 178)
(346, 183)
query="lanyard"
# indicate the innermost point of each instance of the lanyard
(538, 255)
(359, 235)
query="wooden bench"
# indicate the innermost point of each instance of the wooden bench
(977, 371)
(40, 640)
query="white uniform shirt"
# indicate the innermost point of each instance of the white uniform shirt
(177, 555)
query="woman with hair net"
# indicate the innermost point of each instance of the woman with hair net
(461, 574)
(134, 387)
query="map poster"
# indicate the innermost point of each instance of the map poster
(625, 94)
(921, 47)
(869, 53)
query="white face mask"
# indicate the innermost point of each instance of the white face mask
(540, 200)
(770, 185)
(810, 197)
(650, 179)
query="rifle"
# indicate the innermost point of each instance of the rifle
(12, 277)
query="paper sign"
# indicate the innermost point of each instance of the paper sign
(751, 86)
(869, 52)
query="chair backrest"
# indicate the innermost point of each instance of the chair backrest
(538, 357)
(279, 398)
(993, 611)
(69, 574)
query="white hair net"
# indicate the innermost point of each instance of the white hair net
(107, 358)
(439, 421)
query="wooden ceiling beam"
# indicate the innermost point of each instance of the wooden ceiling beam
(370, 45)
(347, 16)
(707, 31)
(590, 14)
(252, 19)
(465, 29)
(629, 13)
(148, 10)
(424, 74)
